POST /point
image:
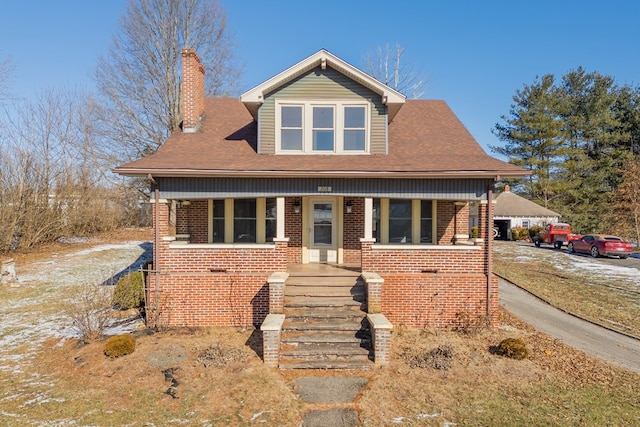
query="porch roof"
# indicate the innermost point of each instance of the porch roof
(426, 140)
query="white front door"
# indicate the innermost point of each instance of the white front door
(323, 242)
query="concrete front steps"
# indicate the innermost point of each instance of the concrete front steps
(325, 323)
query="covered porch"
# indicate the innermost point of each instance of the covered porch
(224, 241)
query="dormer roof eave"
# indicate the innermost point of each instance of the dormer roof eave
(253, 98)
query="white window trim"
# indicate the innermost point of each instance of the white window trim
(415, 223)
(261, 218)
(307, 126)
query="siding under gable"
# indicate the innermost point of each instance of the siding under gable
(323, 85)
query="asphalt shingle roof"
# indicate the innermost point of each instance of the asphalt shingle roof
(425, 139)
(510, 204)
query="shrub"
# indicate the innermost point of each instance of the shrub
(534, 231)
(513, 348)
(519, 233)
(129, 291)
(90, 312)
(120, 345)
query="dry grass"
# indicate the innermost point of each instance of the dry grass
(44, 251)
(92, 389)
(215, 377)
(596, 297)
(554, 385)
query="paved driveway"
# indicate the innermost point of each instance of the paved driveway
(585, 336)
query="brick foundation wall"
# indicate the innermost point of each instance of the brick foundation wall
(433, 288)
(200, 300)
(434, 301)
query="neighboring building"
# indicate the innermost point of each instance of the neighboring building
(512, 211)
(321, 164)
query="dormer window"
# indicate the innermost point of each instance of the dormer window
(291, 127)
(320, 127)
(355, 129)
(323, 131)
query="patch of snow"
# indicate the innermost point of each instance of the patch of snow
(40, 399)
(568, 262)
(74, 240)
(258, 415)
(423, 416)
(34, 312)
(105, 247)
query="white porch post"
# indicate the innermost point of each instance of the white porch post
(368, 218)
(280, 218)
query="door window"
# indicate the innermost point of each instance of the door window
(322, 224)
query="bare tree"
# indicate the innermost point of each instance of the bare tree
(50, 184)
(626, 212)
(139, 78)
(388, 66)
(6, 72)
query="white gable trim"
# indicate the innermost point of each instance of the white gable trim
(253, 98)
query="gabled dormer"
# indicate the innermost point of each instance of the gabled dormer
(323, 105)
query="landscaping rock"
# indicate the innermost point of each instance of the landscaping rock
(169, 355)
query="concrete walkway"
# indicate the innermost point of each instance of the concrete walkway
(585, 336)
(339, 392)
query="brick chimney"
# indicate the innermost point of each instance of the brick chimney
(192, 91)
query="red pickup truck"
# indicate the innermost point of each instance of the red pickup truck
(556, 234)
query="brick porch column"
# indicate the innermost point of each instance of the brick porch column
(381, 338)
(276, 292)
(366, 255)
(271, 329)
(373, 284)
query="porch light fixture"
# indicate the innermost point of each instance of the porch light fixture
(296, 206)
(349, 206)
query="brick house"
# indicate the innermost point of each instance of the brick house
(319, 166)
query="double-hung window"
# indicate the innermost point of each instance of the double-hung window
(404, 221)
(426, 221)
(218, 221)
(242, 220)
(291, 127)
(354, 128)
(400, 224)
(321, 127)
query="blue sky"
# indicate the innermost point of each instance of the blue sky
(474, 54)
